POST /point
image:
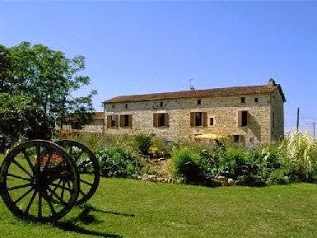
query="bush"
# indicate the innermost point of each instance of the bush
(212, 161)
(117, 162)
(253, 168)
(144, 142)
(188, 168)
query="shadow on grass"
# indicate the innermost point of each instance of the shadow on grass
(70, 226)
(86, 218)
(92, 208)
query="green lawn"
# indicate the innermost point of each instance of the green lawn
(131, 208)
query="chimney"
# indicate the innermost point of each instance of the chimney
(271, 82)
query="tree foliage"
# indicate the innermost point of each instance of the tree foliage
(37, 85)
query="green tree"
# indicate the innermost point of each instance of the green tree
(4, 68)
(46, 79)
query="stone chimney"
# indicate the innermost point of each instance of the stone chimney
(271, 82)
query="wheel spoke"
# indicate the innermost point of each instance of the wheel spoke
(39, 211)
(63, 190)
(85, 182)
(18, 177)
(22, 168)
(68, 184)
(57, 196)
(58, 184)
(19, 186)
(23, 196)
(30, 202)
(51, 206)
(62, 186)
(82, 192)
(27, 157)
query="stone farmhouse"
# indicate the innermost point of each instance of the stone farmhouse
(245, 114)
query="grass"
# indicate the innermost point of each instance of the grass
(131, 208)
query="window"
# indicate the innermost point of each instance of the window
(198, 101)
(238, 139)
(161, 104)
(198, 119)
(112, 121)
(242, 118)
(211, 121)
(160, 120)
(126, 106)
(125, 120)
(273, 119)
(256, 100)
(235, 138)
(242, 99)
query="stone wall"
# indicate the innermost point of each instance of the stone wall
(277, 116)
(224, 111)
(96, 126)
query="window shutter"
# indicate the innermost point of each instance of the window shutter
(116, 119)
(192, 119)
(166, 118)
(204, 119)
(242, 118)
(155, 120)
(121, 120)
(239, 118)
(108, 121)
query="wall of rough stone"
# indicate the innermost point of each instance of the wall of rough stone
(224, 110)
(96, 126)
(277, 116)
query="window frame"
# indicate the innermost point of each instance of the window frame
(243, 118)
(202, 122)
(112, 121)
(126, 121)
(160, 119)
(213, 121)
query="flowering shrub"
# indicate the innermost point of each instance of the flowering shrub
(49, 159)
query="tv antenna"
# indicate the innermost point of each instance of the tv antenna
(191, 86)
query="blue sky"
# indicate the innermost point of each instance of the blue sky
(135, 47)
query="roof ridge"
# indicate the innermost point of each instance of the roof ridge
(211, 92)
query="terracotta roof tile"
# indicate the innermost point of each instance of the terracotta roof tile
(214, 92)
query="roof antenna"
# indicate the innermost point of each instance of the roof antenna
(191, 87)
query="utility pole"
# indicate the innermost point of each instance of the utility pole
(297, 120)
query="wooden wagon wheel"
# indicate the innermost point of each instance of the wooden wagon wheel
(88, 168)
(39, 181)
